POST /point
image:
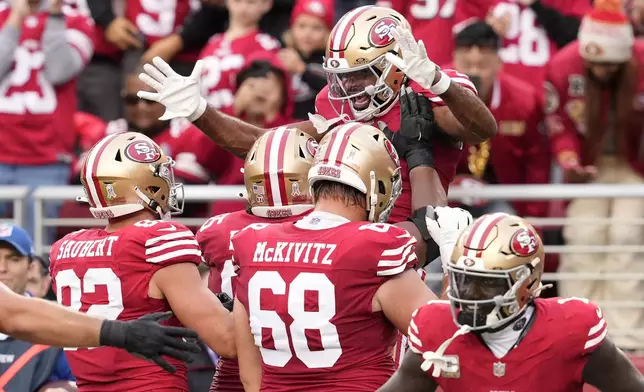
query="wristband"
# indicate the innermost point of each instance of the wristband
(442, 85)
(112, 334)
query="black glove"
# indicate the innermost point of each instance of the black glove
(226, 301)
(146, 338)
(413, 139)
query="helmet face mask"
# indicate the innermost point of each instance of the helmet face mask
(485, 300)
(494, 272)
(362, 83)
(361, 90)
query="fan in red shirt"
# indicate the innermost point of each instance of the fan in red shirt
(275, 175)
(226, 54)
(595, 91)
(519, 153)
(527, 41)
(434, 21)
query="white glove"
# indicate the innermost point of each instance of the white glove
(445, 224)
(180, 95)
(415, 63)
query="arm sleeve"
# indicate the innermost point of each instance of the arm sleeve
(101, 11)
(564, 139)
(67, 48)
(10, 37)
(202, 25)
(561, 29)
(537, 159)
(587, 327)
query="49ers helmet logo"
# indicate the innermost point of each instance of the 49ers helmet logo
(142, 151)
(380, 34)
(524, 243)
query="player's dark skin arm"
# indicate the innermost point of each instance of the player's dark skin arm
(465, 117)
(236, 135)
(409, 377)
(609, 370)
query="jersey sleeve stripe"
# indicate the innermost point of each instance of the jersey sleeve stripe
(81, 42)
(597, 327)
(415, 350)
(590, 343)
(399, 260)
(174, 254)
(413, 327)
(397, 270)
(399, 250)
(168, 237)
(170, 244)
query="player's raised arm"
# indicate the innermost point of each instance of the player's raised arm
(465, 116)
(42, 322)
(182, 98)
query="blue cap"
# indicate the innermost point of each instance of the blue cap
(18, 238)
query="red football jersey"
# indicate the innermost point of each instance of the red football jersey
(519, 153)
(550, 357)
(37, 116)
(566, 107)
(433, 22)
(224, 58)
(308, 288)
(215, 240)
(108, 275)
(526, 46)
(447, 153)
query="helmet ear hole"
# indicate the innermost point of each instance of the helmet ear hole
(118, 156)
(381, 188)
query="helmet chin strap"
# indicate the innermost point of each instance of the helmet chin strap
(372, 200)
(437, 358)
(153, 205)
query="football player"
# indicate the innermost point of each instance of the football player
(494, 333)
(319, 302)
(275, 175)
(41, 322)
(371, 55)
(136, 265)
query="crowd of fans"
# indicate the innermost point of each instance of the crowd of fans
(69, 76)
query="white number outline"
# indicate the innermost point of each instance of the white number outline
(524, 29)
(302, 320)
(166, 12)
(22, 102)
(87, 285)
(432, 8)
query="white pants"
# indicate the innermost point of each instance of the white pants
(610, 171)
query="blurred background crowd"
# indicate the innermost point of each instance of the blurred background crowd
(69, 76)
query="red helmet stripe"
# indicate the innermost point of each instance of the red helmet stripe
(95, 192)
(480, 232)
(341, 31)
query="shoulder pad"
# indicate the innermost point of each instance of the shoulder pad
(165, 242)
(393, 248)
